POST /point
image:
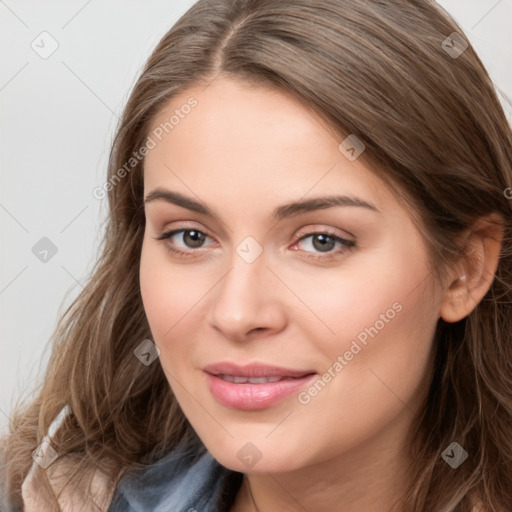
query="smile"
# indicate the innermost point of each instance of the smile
(254, 393)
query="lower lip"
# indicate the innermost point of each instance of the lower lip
(252, 397)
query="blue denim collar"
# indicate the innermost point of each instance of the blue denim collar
(188, 479)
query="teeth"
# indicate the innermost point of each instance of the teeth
(250, 380)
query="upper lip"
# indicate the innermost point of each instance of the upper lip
(253, 370)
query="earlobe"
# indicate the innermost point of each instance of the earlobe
(475, 271)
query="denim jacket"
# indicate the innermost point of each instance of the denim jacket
(189, 479)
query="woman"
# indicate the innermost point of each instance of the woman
(303, 296)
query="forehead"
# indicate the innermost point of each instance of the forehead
(232, 138)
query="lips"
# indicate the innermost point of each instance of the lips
(255, 386)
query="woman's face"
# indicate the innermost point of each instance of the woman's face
(341, 298)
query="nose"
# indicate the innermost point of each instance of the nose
(248, 301)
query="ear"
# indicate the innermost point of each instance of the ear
(474, 272)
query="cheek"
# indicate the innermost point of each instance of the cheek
(377, 324)
(172, 297)
(154, 290)
(167, 295)
(385, 299)
(379, 360)
(373, 372)
(373, 296)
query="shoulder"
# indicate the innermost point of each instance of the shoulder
(50, 489)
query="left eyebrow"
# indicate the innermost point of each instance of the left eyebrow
(281, 212)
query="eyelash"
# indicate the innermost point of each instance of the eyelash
(348, 245)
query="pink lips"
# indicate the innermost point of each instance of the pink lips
(229, 384)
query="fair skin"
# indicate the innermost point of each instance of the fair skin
(243, 151)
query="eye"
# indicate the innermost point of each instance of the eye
(324, 242)
(321, 241)
(194, 237)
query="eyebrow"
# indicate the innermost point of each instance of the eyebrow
(281, 212)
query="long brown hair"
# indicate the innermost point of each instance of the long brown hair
(433, 127)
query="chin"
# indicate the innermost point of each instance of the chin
(256, 457)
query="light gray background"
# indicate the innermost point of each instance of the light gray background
(58, 118)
